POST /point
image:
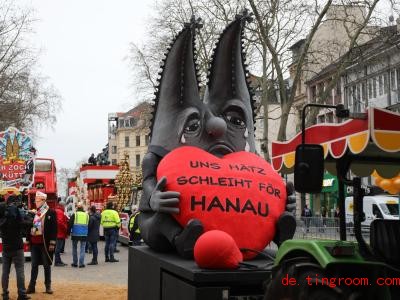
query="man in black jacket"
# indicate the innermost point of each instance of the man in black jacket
(93, 233)
(12, 227)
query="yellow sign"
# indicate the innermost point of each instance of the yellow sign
(350, 206)
(391, 202)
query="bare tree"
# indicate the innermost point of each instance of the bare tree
(168, 20)
(316, 52)
(278, 25)
(27, 101)
(357, 33)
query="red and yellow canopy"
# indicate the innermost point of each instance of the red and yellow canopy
(376, 136)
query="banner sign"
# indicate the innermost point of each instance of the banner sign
(17, 159)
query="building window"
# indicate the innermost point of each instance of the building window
(320, 90)
(137, 160)
(127, 123)
(127, 141)
(132, 122)
(121, 123)
(329, 117)
(114, 162)
(369, 88)
(393, 80)
(338, 88)
(137, 140)
(147, 138)
(380, 81)
(313, 94)
(364, 92)
(348, 96)
(114, 149)
(398, 84)
(374, 87)
(113, 129)
(356, 94)
(353, 97)
(385, 83)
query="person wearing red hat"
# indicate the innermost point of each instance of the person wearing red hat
(42, 240)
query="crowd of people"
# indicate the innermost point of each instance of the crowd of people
(46, 230)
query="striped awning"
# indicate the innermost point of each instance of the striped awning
(375, 136)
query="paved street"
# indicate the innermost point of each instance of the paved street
(111, 273)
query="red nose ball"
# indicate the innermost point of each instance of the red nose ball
(216, 249)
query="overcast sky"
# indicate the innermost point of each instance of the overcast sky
(84, 44)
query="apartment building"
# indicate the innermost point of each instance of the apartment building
(129, 133)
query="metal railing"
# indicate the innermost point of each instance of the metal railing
(325, 228)
(311, 228)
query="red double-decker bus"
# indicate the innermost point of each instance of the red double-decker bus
(45, 180)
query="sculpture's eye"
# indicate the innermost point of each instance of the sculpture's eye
(192, 125)
(236, 118)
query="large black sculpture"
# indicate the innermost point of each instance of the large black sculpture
(221, 123)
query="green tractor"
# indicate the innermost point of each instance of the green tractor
(341, 269)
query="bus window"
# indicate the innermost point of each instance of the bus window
(42, 165)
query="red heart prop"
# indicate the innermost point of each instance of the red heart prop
(240, 193)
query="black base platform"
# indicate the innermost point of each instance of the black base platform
(160, 276)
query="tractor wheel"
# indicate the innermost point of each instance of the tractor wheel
(290, 282)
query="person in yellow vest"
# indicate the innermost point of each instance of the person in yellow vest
(134, 231)
(111, 223)
(78, 227)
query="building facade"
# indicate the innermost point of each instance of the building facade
(129, 133)
(330, 42)
(371, 79)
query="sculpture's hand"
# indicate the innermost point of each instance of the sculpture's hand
(165, 202)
